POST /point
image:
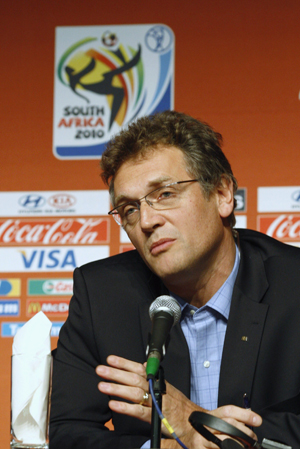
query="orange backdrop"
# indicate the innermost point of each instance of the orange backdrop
(237, 67)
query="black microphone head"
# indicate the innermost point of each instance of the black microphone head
(166, 304)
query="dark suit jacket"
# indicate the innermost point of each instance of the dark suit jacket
(109, 315)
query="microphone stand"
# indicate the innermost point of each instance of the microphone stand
(159, 388)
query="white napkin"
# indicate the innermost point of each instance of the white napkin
(31, 363)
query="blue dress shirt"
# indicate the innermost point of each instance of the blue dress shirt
(204, 330)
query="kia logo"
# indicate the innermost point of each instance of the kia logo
(62, 201)
(296, 196)
(32, 201)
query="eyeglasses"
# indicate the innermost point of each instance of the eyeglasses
(163, 198)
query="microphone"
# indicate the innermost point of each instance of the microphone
(164, 313)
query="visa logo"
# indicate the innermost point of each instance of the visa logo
(10, 287)
(49, 259)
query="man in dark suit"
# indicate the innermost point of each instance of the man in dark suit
(172, 190)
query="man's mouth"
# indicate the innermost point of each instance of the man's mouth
(160, 246)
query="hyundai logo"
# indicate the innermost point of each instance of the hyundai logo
(296, 196)
(32, 201)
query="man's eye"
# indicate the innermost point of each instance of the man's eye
(129, 210)
(166, 194)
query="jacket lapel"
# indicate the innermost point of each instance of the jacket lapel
(244, 330)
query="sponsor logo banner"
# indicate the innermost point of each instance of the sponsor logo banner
(50, 287)
(10, 307)
(54, 203)
(241, 200)
(278, 199)
(50, 307)
(43, 259)
(284, 227)
(105, 77)
(9, 329)
(10, 287)
(49, 231)
(241, 221)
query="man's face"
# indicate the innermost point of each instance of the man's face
(177, 243)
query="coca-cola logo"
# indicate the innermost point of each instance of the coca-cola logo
(62, 201)
(64, 231)
(282, 227)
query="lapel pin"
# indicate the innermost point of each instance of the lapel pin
(244, 338)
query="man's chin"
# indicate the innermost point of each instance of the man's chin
(162, 264)
(167, 273)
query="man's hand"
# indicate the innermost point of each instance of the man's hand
(130, 383)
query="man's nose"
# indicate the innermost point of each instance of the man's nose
(149, 217)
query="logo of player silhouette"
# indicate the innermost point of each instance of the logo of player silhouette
(105, 86)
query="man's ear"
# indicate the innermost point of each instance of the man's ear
(225, 197)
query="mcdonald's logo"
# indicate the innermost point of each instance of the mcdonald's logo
(33, 308)
(51, 307)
